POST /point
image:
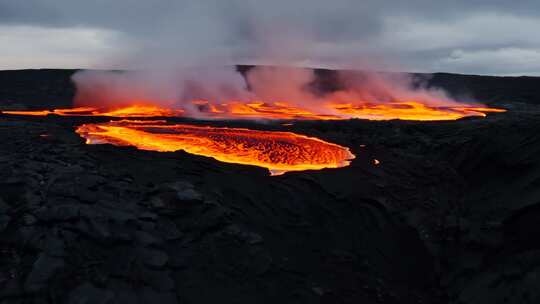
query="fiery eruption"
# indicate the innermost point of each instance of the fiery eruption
(279, 152)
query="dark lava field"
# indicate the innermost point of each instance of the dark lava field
(451, 214)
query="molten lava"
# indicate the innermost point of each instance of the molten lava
(279, 152)
(259, 110)
(409, 110)
(130, 111)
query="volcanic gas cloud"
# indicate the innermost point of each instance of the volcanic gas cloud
(262, 93)
(270, 93)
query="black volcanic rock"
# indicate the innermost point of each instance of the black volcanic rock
(36, 88)
(87, 293)
(448, 216)
(42, 272)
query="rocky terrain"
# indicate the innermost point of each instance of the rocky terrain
(449, 214)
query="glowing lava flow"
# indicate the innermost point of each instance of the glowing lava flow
(130, 111)
(259, 110)
(334, 111)
(409, 110)
(279, 152)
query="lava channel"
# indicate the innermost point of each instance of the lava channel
(279, 152)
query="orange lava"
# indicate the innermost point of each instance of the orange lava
(142, 111)
(131, 111)
(279, 152)
(259, 110)
(408, 110)
(62, 112)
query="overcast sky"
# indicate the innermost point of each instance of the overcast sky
(465, 36)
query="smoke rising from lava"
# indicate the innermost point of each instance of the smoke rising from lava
(166, 88)
(164, 79)
(283, 86)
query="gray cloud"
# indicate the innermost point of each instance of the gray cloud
(459, 36)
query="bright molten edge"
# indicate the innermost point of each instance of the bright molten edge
(280, 110)
(279, 152)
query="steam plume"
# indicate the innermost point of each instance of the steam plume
(294, 86)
